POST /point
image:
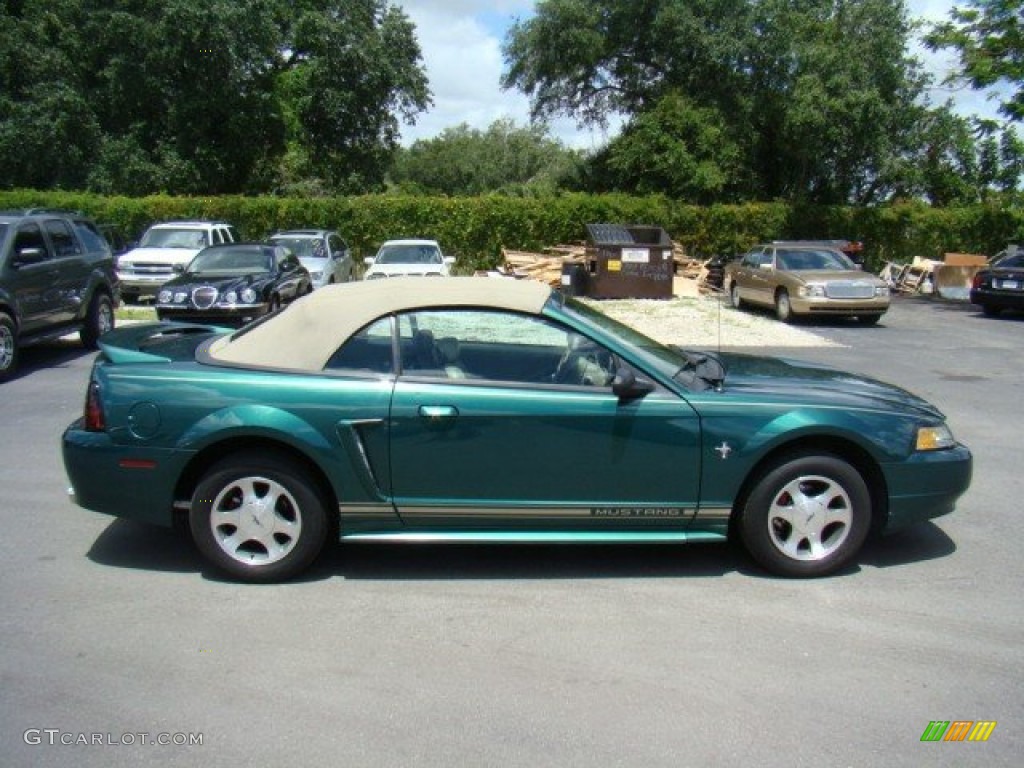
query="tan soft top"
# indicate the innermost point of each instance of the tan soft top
(308, 332)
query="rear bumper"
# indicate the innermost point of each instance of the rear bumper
(121, 480)
(993, 298)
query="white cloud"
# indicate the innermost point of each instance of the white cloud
(461, 44)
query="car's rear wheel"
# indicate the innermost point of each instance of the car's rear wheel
(807, 515)
(8, 346)
(990, 310)
(783, 308)
(734, 296)
(99, 320)
(259, 518)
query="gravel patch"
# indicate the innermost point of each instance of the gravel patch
(706, 321)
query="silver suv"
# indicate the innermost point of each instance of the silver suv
(150, 264)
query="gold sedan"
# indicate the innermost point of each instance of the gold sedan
(806, 281)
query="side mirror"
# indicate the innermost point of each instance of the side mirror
(178, 269)
(626, 386)
(449, 259)
(368, 261)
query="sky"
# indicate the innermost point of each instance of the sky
(461, 45)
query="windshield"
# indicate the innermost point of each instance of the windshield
(1013, 261)
(169, 237)
(230, 261)
(409, 254)
(808, 259)
(671, 362)
(303, 247)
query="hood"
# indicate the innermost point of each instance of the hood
(834, 275)
(393, 270)
(158, 255)
(786, 379)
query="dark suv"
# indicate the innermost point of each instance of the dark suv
(56, 277)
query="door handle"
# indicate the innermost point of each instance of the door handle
(438, 412)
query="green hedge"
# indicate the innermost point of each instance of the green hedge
(476, 229)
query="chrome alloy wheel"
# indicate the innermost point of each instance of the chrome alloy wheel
(255, 521)
(810, 517)
(6, 347)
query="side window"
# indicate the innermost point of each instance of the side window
(91, 237)
(218, 238)
(64, 242)
(368, 351)
(752, 259)
(499, 346)
(230, 235)
(30, 236)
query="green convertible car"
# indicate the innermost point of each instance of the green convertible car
(492, 409)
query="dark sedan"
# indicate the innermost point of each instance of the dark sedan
(1000, 285)
(233, 284)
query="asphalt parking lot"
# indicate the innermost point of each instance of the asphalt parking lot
(114, 634)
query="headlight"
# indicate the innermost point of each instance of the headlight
(249, 296)
(229, 298)
(881, 290)
(315, 276)
(812, 290)
(164, 297)
(935, 438)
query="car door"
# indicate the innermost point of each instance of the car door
(490, 435)
(32, 275)
(744, 273)
(340, 259)
(291, 280)
(761, 280)
(72, 277)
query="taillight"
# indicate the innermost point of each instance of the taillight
(95, 421)
(978, 280)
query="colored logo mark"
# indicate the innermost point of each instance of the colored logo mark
(958, 730)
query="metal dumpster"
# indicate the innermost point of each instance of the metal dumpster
(628, 262)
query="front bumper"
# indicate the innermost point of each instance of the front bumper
(926, 485)
(839, 307)
(235, 315)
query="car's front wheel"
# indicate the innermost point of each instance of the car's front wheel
(806, 516)
(259, 518)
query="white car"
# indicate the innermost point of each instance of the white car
(408, 258)
(143, 269)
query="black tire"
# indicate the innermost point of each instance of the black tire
(8, 346)
(285, 524)
(734, 297)
(867, 320)
(783, 309)
(991, 311)
(806, 516)
(98, 321)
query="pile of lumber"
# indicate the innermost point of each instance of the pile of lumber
(950, 278)
(547, 264)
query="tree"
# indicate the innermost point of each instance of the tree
(988, 36)
(819, 97)
(676, 149)
(467, 161)
(204, 96)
